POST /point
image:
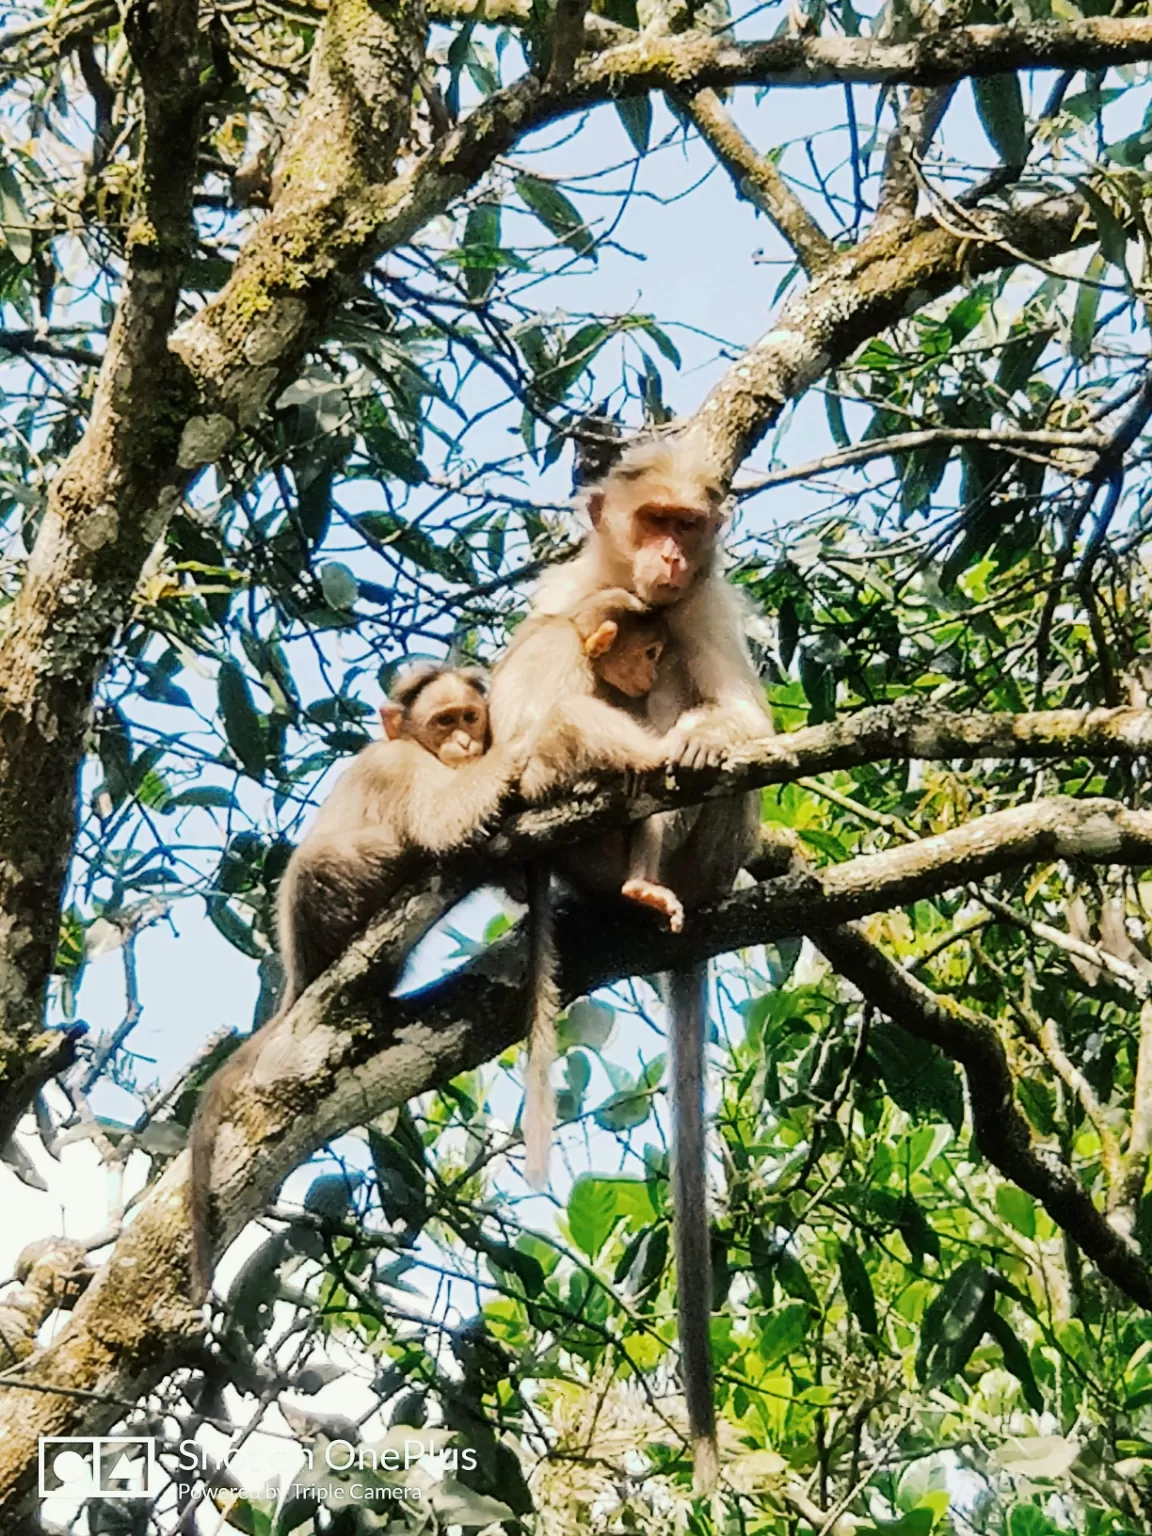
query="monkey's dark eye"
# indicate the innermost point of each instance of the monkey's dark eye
(471, 716)
(653, 653)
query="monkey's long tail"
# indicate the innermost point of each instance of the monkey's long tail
(688, 1008)
(544, 1007)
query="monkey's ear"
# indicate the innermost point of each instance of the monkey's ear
(602, 638)
(595, 507)
(392, 719)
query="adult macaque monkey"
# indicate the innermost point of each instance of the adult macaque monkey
(429, 787)
(600, 663)
(656, 518)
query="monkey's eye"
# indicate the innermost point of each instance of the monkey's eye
(471, 716)
(653, 652)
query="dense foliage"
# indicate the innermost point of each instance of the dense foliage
(907, 1341)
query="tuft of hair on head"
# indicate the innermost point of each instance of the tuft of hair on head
(411, 684)
(679, 468)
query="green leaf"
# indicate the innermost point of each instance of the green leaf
(918, 1076)
(664, 342)
(1111, 232)
(1132, 151)
(592, 1213)
(400, 1162)
(338, 584)
(579, 352)
(558, 215)
(954, 1323)
(586, 1023)
(390, 530)
(238, 933)
(783, 1331)
(1029, 1520)
(15, 223)
(1083, 331)
(635, 112)
(1016, 1359)
(626, 1110)
(242, 724)
(858, 1291)
(834, 410)
(481, 232)
(1000, 107)
(1017, 1208)
(1020, 356)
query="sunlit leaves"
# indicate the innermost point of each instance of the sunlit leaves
(591, 1214)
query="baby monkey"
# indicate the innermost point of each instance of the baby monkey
(428, 787)
(623, 640)
(601, 661)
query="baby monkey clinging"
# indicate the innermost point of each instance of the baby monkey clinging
(597, 664)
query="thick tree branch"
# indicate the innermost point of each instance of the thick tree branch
(897, 732)
(867, 289)
(112, 500)
(756, 178)
(101, 522)
(917, 121)
(1002, 1133)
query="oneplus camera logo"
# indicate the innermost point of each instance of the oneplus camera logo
(105, 1466)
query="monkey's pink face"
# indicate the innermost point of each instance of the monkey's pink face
(450, 719)
(671, 547)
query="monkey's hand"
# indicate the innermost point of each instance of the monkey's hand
(703, 738)
(696, 741)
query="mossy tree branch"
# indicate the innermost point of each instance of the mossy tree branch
(105, 510)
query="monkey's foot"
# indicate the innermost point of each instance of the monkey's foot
(658, 897)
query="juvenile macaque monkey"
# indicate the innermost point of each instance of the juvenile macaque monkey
(656, 522)
(600, 663)
(428, 787)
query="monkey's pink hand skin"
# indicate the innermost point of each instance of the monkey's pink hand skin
(701, 738)
(658, 897)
